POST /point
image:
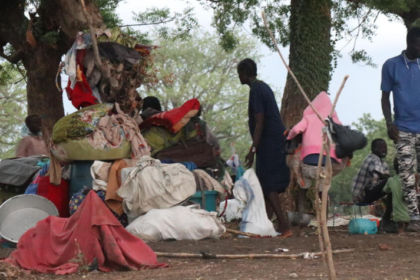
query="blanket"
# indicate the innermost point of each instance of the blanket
(174, 119)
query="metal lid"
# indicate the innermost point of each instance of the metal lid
(22, 212)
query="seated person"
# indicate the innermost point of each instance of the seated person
(394, 190)
(151, 106)
(369, 183)
(32, 143)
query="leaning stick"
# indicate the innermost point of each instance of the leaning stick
(338, 94)
(317, 207)
(204, 255)
(241, 233)
(327, 242)
(97, 58)
(290, 70)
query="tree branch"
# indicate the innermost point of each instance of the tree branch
(149, 23)
(13, 58)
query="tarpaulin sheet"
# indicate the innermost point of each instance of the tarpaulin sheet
(61, 245)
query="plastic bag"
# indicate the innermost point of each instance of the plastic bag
(346, 140)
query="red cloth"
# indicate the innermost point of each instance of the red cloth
(81, 95)
(174, 119)
(59, 195)
(54, 244)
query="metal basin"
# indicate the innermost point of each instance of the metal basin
(294, 219)
(22, 212)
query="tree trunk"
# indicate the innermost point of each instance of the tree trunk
(44, 99)
(310, 60)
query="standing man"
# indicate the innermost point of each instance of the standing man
(267, 131)
(401, 75)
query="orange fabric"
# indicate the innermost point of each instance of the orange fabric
(112, 199)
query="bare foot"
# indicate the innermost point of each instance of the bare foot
(284, 232)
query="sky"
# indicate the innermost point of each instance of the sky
(361, 93)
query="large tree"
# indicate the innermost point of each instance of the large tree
(200, 68)
(311, 28)
(37, 34)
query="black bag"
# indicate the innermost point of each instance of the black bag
(346, 140)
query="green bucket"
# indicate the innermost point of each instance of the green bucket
(210, 198)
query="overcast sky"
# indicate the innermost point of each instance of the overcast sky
(362, 91)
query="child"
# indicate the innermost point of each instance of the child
(399, 208)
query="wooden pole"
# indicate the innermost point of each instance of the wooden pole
(246, 256)
(97, 58)
(318, 209)
(241, 233)
(290, 70)
(338, 94)
(327, 243)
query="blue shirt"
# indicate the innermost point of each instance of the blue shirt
(402, 77)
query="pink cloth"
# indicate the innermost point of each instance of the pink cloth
(108, 134)
(31, 146)
(311, 127)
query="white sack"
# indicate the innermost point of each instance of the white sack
(254, 217)
(179, 223)
(153, 185)
(234, 209)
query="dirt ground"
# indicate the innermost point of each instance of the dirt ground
(400, 261)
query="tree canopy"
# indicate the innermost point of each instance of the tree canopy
(12, 109)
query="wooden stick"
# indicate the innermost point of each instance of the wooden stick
(97, 58)
(338, 94)
(241, 233)
(327, 243)
(290, 70)
(246, 256)
(318, 209)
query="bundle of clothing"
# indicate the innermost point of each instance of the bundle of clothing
(123, 71)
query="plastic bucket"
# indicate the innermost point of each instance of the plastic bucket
(210, 200)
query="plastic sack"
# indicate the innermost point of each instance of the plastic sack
(179, 223)
(234, 209)
(254, 217)
(153, 185)
(346, 140)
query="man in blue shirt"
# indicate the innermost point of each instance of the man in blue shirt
(401, 75)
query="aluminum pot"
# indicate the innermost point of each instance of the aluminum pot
(294, 219)
(22, 212)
